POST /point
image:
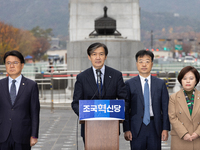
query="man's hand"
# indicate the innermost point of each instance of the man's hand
(187, 137)
(128, 136)
(33, 141)
(194, 136)
(164, 135)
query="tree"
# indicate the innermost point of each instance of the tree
(6, 39)
(42, 41)
(186, 47)
(41, 45)
(14, 39)
(39, 32)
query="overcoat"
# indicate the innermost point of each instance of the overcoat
(182, 122)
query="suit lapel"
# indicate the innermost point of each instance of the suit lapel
(153, 88)
(107, 78)
(139, 88)
(6, 90)
(182, 101)
(196, 103)
(22, 87)
(91, 80)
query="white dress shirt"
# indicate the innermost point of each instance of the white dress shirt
(102, 73)
(17, 83)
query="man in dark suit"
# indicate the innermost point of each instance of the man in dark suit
(146, 118)
(86, 87)
(19, 106)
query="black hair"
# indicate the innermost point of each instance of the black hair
(186, 70)
(14, 53)
(141, 53)
(94, 46)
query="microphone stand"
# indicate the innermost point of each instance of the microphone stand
(99, 81)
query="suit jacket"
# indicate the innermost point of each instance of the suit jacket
(86, 88)
(21, 118)
(135, 106)
(182, 122)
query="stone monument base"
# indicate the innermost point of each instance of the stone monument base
(121, 53)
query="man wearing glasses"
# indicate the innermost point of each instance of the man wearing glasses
(19, 106)
(146, 118)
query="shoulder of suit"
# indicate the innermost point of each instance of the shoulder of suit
(197, 90)
(157, 79)
(178, 93)
(27, 80)
(107, 68)
(83, 73)
(132, 80)
(4, 80)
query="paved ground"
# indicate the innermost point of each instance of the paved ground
(58, 130)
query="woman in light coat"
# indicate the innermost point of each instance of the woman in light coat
(184, 112)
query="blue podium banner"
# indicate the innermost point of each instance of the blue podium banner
(101, 110)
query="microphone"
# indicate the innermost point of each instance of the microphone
(98, 71)
(94, 94)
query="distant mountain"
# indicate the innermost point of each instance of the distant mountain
(155, 14)
(31, 13)
(189, 8)
(158, 21)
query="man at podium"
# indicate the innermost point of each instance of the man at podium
(98, 81)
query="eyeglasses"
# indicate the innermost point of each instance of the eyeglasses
(15, 63)
(144, 61)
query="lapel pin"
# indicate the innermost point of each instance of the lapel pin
(109, 76)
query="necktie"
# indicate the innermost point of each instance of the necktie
(146, 118)
(99, 82)
(13, 91)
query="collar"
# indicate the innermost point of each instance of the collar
(142, 78)
(18, 79)
(102, 70)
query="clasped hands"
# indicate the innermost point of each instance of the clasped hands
(189, 137)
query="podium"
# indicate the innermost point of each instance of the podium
(101, 118)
